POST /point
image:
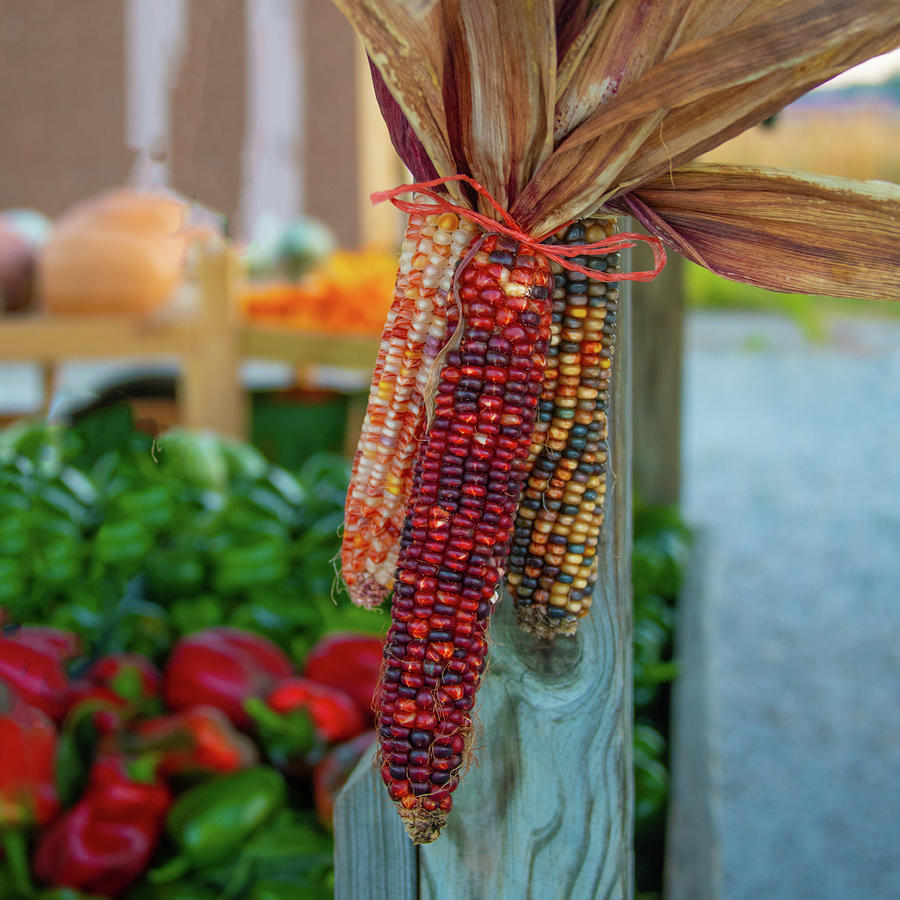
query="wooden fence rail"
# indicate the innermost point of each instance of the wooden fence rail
(546, 811)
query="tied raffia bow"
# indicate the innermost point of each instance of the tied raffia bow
(558, 253)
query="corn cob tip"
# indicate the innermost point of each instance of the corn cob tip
(368, 593)
(422, 825)
(534, 621)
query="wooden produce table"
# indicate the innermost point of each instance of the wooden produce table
(210, 341)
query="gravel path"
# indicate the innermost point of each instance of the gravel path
(793, 465)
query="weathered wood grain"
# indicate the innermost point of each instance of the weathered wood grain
(546, 810)
(693, 830)
(374, 859)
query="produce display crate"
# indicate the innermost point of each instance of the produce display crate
(208, 337)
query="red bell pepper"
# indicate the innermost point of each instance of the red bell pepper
(269, 657)
(331, 774)
(200, 739)
(333, 713)
(132, 676)
(64, 645)
(110, 709)
(222, 667)
(27, 786)
(119, 686)
(35, 676)
(349, 662)
(105, 841)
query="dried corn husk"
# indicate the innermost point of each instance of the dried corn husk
(640, 89)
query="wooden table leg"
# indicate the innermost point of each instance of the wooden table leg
(210, 392)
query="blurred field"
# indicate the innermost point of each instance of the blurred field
(705, 290)
(861, 142)
(853, 142)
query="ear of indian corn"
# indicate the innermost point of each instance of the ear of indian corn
(553, 560)
(469, 474)
(414, 334)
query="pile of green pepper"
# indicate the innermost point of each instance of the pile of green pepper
(236, 836)
(193, 531)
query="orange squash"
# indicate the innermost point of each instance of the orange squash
(120, 253)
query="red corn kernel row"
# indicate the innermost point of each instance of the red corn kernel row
(468, 476)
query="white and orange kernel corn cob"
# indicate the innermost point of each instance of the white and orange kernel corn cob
(413, 336)
(553, 560)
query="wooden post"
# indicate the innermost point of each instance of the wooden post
(210, 394)
(546, 810)
(657, 346)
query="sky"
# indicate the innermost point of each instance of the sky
(874, 71)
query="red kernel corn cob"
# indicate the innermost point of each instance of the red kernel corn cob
(414, 334)
(469, 473)
(553, 560)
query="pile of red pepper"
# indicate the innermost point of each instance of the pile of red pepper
(118, 779)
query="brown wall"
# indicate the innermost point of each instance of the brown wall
(62, 104)
(330, 145)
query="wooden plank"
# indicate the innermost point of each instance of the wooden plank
(374, 859)
(546, 811)
(693, 838)
(308, 349)
(658, 315)
(55, 338)
(210, 393)
(377, 168)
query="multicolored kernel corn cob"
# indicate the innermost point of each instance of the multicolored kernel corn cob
(469, 474)
(553, 560)
(414, 334)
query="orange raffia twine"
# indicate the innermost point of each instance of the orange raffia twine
(558, 253)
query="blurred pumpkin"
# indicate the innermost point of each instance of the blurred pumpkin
(120, 252)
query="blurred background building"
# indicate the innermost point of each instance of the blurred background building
(245, 106)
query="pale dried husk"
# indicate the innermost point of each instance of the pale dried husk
(561, 107)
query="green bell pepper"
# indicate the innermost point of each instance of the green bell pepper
(150, 503)
(279, 890)
(181, 891)
(196, 613)
(13, 586)
(14, 529)
(249, 564)
(63, 893)
(121, 542)
(213, 820)
(291, 852)
(174, 571)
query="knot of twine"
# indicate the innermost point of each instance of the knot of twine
(560, 253)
